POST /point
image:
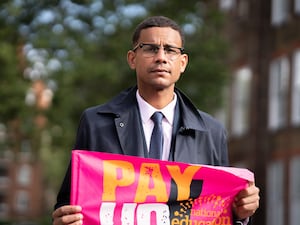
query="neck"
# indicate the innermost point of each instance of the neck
(158, 99)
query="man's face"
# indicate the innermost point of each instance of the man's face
(160, 70)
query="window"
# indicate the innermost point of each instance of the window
(243, 8)
(22, 202)
(3, 170)
(297, 6)
(4, 210)
(241, 101)
(275, 191)
(294, 191)
(296, 89)
(3, 206)
(278, 93)
(227, 5)
(2, 133)
(279, 12)
(24, 175)
(4, 178)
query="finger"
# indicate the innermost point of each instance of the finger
(65, 210)
(251, 183)
(249, 191)
(245, 211)
(74, 219)
(69, 219)
(253, 200)
(250, 199)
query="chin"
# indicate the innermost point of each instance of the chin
(162, 86)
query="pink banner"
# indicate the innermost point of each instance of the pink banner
(125, 190)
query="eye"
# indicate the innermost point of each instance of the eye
(150, 48)
(171, 50)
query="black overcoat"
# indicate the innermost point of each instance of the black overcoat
(116, 127)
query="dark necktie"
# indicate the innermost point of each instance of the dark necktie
(156, 142)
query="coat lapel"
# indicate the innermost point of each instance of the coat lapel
(130, 132)
(128, 123)
(189, 130)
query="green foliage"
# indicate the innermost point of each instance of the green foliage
(90, 40)
(206, 73)
(12, 85)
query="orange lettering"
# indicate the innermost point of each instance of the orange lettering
(117, 173)
(183, 180)
(151, 183)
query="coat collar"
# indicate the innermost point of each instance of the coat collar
(191, 117)
(125, 103)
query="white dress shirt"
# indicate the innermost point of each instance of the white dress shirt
(146, 111)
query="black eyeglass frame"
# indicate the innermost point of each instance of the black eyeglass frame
(140, 45)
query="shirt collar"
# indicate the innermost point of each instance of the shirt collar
(147, 110)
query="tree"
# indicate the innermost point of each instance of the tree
(13, 85)
(78, 49)
(206, 73)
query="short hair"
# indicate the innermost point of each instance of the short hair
(156, 21)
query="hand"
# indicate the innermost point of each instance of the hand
(246, 202)
(68, 214)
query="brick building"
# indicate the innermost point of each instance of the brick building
(22, 191)
(263, 109)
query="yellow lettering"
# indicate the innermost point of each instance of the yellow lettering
(175, 221)
(185, 221)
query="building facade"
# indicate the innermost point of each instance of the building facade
(263, 108)
(22, 188)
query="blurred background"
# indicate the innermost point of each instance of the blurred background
(58, 57)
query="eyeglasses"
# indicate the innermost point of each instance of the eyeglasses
(150, 50)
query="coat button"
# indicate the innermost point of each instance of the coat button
(121, 124)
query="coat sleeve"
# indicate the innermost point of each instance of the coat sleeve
(220, 139)
(224, 149)
(81, 142)
(218, 135)
(83, 134)
(63, 197)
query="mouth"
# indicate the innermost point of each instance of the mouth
(159, 70)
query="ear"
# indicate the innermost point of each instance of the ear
(183, 62)
(131, 59)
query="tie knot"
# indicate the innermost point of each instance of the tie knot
(157, 117)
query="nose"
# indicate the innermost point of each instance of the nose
(161, 56)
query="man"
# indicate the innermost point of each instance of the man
(124, 124)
